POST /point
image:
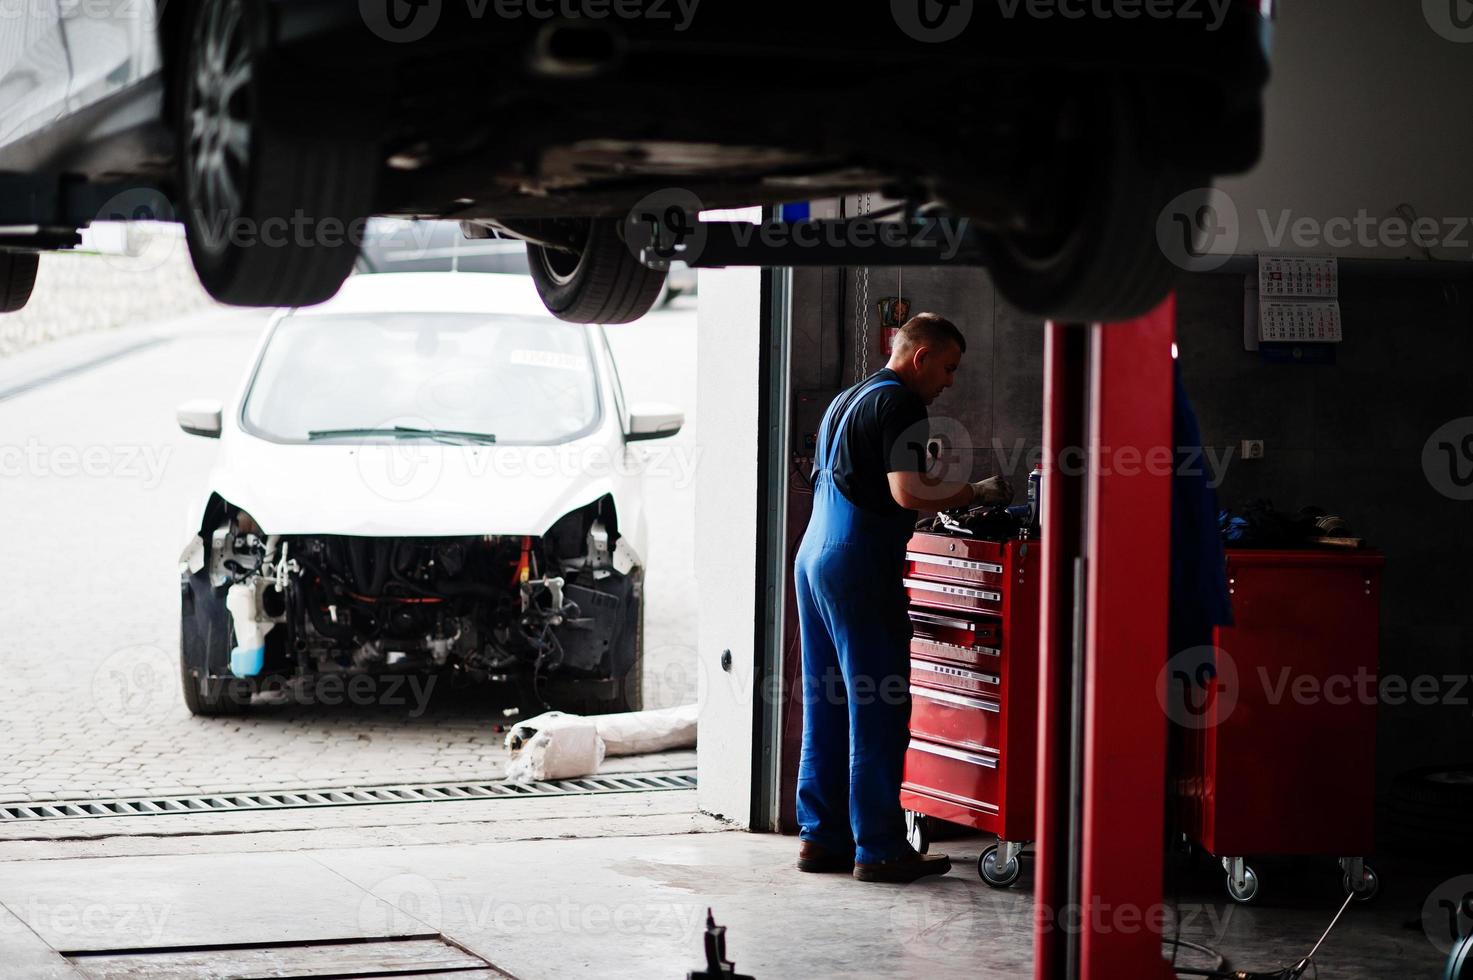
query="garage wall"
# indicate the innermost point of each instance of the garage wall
(1367, 110)
(1348, 437)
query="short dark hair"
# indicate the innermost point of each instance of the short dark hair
(931, 330)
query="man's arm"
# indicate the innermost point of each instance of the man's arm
(914, 491)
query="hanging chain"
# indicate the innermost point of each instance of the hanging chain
(861, 313)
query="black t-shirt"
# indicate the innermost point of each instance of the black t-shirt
(886, 434)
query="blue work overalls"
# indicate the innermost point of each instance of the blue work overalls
(856, 637)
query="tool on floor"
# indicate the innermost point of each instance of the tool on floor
(718, 967)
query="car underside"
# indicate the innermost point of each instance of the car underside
(1061, 140)
(553, 619)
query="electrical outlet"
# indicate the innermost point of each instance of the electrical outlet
(1252, 448)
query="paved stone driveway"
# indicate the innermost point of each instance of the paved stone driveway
(96, 482)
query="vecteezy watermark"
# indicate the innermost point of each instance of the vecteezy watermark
(135, 685)
(1198, 687)
(937, 21)
(407, 21)
(1447, 915)
(1201, 687)
(35, 459)
(933, 21)
(664, 226)
(1285, 229)
(565, 916)
(81, 10)
(954, 922)
(1451, 19)
(406, 471)
(399, 904)
(1447, 459)
(412, 691)
(1199, 229)
(130, 923)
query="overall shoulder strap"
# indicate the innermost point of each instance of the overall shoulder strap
(828, 443)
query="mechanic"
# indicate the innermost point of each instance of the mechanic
(869, 481)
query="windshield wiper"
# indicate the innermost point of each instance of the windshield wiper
(403, 432)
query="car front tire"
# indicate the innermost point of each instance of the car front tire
(205, 638)
(273, 215)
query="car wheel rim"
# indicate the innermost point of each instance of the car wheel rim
(562, 266)
(217, 119)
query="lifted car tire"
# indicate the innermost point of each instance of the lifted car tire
(601, 281)
(17, 277)
(273, 216)
(1103, 260)
(205, 638)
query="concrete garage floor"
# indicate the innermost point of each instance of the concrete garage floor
(626, 898)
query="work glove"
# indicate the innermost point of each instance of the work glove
(993, 491)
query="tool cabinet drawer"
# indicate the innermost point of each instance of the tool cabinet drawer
(954, 569)
(959, 775)
(962, 631)
(986, 659)
(924, 673)
(942, 595)
(957, 719)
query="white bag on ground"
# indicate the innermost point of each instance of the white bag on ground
(636, 732)
(553, 746)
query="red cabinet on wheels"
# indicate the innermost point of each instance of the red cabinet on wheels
(974, 692)
(1280, 749)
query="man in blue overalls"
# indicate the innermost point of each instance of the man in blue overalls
(869, 481)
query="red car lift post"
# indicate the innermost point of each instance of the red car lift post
(1108, 400)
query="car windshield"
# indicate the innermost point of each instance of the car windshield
(450, 377)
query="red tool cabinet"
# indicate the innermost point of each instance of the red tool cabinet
(1280, 753)
(974, 692)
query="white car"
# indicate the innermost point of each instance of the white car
(427, 473)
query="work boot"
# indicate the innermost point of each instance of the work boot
(812, 857)
(904, 869)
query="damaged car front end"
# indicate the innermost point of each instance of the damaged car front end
(425, 476)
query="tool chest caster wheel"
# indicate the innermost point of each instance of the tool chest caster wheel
(1003, 875)
(1370, 884)
(917, 832)
(1242, 881)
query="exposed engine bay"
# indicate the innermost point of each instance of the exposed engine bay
(524, 610)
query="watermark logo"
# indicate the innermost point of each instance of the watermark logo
(665, 226)
(404, 470)
(1447, 915)
(402, 903)
(145, 250)
(1451, 19)
(400, 21)
(1198, 687)
(932, 21)
(1199, 229)
(941, 449)
(1447, 459)
(135, 685)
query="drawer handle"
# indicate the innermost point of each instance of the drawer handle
(981, 651)
(913, 583)
(935, 620)
(975, 566)
(966, 675)
(947, 752)
(946, 697)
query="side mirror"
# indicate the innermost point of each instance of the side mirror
(654, 421)
(200, 417)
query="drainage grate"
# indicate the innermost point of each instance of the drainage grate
(641, 782)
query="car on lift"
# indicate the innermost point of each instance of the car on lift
(272, 128)
(426, 473)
